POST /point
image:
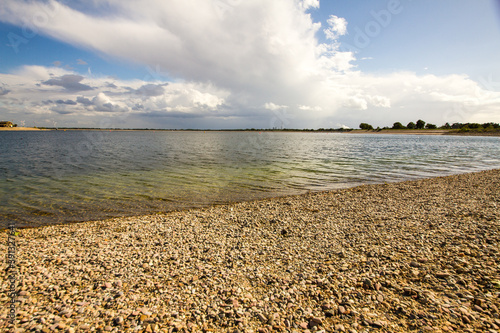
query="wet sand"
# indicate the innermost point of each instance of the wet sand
(412, 256)
(22, 129)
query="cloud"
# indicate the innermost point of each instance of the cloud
(337, 27)
(83, 100)
(4, 91)
(70, 82)
(81, 62)
(309, 108)
(307, 4)
(149, 90)
(67, 102)
(224, 66)
(272, 106)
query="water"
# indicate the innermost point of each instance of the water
(68, 176)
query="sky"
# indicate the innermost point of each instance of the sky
(227, 64)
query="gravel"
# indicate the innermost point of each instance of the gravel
(411, 256)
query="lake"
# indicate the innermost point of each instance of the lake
(60, 176)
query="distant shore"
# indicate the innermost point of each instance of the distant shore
(400, 132)
(340, 131)
(22, 129)
(401, 257)
(424, 132)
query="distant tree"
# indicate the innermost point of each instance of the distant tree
(446, 126)
(475, 126)
(420, 124)
(411, 125)
(365, 126)
(464, 128)
(430, 126)
(398, 125)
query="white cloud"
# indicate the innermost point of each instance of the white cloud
(307, 4)
(224, 63)
(309, 108)
(337, 27)
(271, 106)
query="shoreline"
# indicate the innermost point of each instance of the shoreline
(22, 129)
(396, 257)
(423, 132)
(353, 131)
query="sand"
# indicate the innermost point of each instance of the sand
(21, 129)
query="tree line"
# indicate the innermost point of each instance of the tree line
(420, 124)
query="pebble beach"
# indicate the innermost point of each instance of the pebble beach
(415, 256)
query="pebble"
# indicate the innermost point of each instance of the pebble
(420, 254)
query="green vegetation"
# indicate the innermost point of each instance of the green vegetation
(420, 124)
(398, 125)
(457, 127)
(365, 126)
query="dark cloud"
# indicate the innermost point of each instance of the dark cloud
(151, 90)
(3, 91)
(83, 100)
(138, 107)
(62, 111)
(67, 102)
(70, 82)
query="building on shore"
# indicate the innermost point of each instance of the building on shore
(6, 124)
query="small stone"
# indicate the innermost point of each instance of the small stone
(378, 324)
(262, 318)
(442, 275)
(304, 325)
(315, 321)
(477, 308)
(326, 306)
(118, 321)
(342, 309)
(146, 312)
(329, 314)
(339, 327)
(367, 283)
(108, 285)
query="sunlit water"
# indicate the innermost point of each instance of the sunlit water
(67, 176)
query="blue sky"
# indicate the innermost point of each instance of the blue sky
(242, 64)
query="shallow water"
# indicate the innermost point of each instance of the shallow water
(67, 176)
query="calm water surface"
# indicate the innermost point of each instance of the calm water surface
(68, 176)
